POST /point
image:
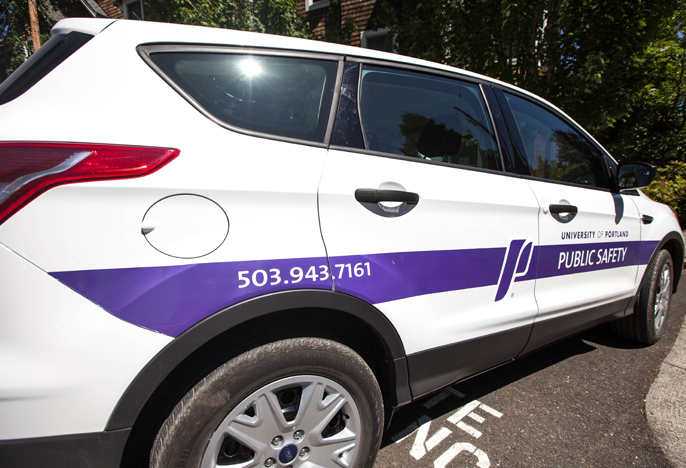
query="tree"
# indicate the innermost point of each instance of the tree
(616, 67)
(15, 28)
(656, 127)
(268, 16)
(585, 56)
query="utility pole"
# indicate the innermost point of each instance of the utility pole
(35, 30)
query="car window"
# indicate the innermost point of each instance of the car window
(554, 149)
(426, 116)
(284, 96)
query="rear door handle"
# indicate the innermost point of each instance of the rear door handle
(559, 209)
(563, 213)
(364, 195)
(373, 200)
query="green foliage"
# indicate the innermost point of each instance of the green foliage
(267, 16)
(617, 67)
(669, 188)
(585, 56)
(655, 129)
(15, 27)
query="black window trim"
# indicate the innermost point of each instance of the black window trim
(431, 71)
(41, 63)
(516, 137)
(145, 50)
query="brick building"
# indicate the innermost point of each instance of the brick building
(356, 15)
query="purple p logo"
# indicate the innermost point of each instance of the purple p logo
(517, 261)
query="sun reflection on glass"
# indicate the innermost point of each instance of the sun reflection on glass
(250, 68)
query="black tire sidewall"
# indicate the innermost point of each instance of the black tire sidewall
(183, 438)
(646, 302)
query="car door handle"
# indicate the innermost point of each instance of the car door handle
(559, 209)
(379, 196)
(563, 213)
(374, 199)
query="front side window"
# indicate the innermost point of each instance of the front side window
(425, 116)
(554, 149)
(283, 96)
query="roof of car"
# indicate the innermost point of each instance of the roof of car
(181, 33)
(150, 32)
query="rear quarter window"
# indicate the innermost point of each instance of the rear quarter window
(282, 96)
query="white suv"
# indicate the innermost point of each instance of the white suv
(221, 248)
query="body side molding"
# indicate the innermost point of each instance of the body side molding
(154, 373)
(101, 449)
(436, 368)
(551, 330)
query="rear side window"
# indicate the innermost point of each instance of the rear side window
(48, 57)
(426, 116)
(283, 96)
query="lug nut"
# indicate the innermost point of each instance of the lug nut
(276, 441)
(304, 452)
(269, 462)
(298, 435)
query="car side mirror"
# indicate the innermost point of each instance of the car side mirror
(634, 175)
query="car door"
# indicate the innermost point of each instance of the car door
(419, 219)
(589, 236)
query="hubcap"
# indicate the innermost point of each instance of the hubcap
(662, 296)
(285, 422)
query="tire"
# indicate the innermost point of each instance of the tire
(284, 403)
(647, 323)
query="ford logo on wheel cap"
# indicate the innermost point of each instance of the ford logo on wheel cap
(288, 454)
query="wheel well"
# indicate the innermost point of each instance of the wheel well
(676, 250)
(303, 322)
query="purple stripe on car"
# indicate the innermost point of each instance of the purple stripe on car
(171, 299)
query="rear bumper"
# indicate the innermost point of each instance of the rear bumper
(96, 449)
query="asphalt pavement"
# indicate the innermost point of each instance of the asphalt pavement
(592, 400)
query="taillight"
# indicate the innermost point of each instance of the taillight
(29, 169)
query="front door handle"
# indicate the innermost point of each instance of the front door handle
(374, 199)
(563, 213)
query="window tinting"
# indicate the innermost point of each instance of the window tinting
(426, 116)
(554, 149)
(282, 96)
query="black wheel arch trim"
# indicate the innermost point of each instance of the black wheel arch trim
(158, 368)
(677, 263)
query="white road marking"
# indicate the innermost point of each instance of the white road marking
(421, 445)
(452, 452)
(464, 411)
(437, 438)
(418, 450)
(421, 426)
(469, 429)
(405, 433)
(488, 409)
